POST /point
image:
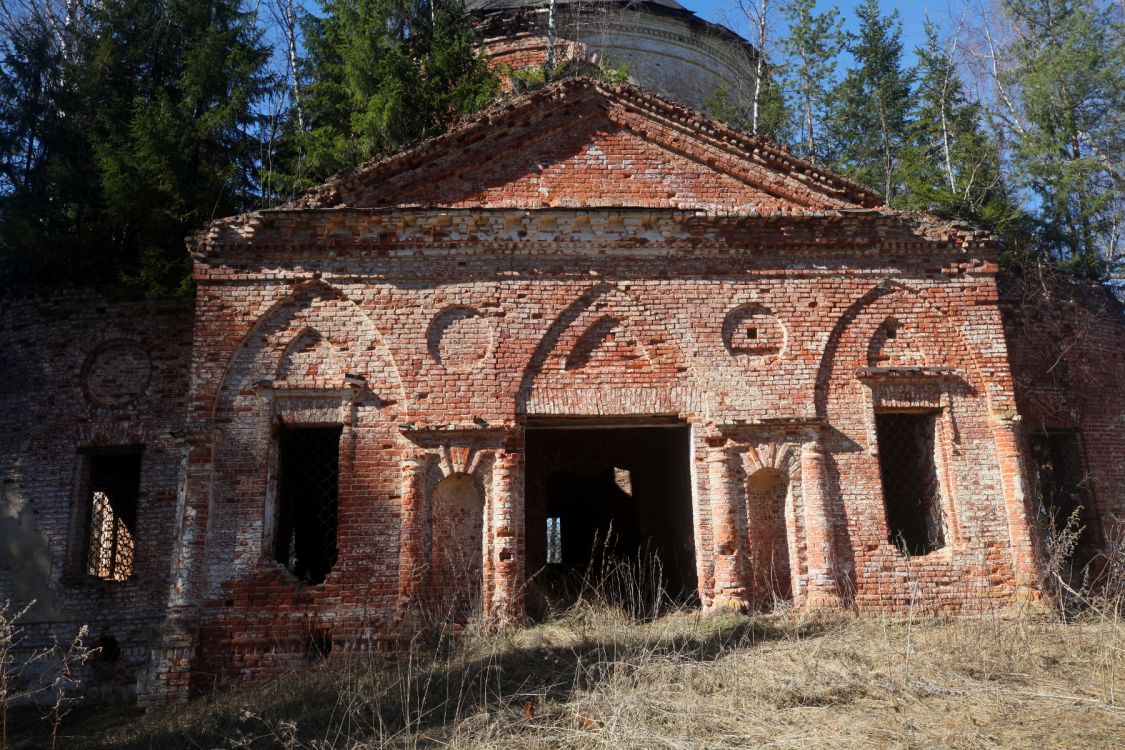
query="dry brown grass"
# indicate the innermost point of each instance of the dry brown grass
(592, 677)
(607, 672)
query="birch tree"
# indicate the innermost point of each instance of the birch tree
(951, 166)
(1057, 75)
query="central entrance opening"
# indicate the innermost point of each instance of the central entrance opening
(603, 493)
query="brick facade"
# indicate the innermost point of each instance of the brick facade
(83, 374)
(526, 302)
(1066, 344)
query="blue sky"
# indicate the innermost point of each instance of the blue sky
(912, 14)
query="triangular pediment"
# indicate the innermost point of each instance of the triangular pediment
(579, 143)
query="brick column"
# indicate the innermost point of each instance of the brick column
(728, 530)
(1020, 518)
(412, 564)
(507, 538)
(823, 587)
(169, 677)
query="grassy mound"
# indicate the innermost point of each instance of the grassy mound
(594, 677)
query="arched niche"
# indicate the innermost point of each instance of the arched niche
(310, 359)
(456, 542)
(605, 342)
(315, 329)
(767, 525)
(900, 341)
(862, 329)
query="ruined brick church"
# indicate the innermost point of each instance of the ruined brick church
(436, 383)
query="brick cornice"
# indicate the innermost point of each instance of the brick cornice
(295, 234)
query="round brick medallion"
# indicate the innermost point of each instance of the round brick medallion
(459, 338)
(116, 373)
(754, 331)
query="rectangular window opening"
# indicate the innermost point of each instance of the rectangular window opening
(114, 480)
(1060, 488)
(910, 486)
(307, 501)
(554, 541)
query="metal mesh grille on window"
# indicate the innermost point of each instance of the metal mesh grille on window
(111, 513)
(111, 540)
(554, 541)
(910, 485)
(308, 501)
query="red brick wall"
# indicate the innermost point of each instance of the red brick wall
(745, 306)
(577, 165)
(935, 331)
(1067, 346)
(459, 337)
(80, 371)
(432, 357)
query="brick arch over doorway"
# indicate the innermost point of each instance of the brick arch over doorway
(606, 354)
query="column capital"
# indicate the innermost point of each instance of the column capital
(1007, 417)
(812, 448)
(417, 462)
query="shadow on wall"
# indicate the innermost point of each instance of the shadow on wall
(25, 559)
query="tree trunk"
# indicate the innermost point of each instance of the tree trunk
(290, 17)
(759, 69)
(809, 124)
(887, 159)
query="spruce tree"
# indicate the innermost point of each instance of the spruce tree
(46, 183)
(383, 73)
(171, 130)
(872, 104)
(810, 49)
(147, 138)
(1061, 101)
(951, 166)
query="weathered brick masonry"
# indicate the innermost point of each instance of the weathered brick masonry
(584, 252)
(1066, 344)
(583, 290)
(82, 375)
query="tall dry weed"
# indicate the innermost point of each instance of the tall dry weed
(619, 667)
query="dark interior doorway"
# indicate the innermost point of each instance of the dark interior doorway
(595, 490)
(1067, 520)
